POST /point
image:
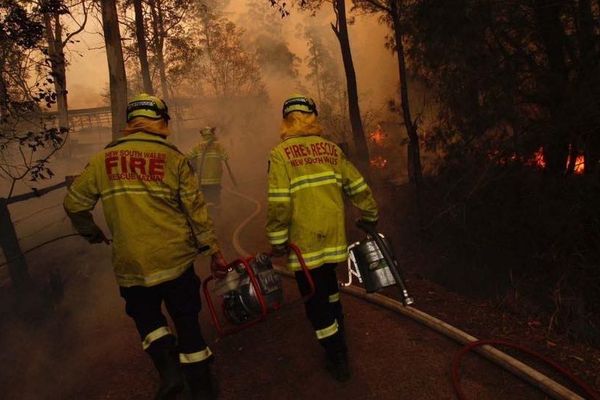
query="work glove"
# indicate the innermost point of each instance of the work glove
(218, 265)
(280, 250)
(96, 236)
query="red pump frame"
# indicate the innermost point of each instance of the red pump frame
(245, 263)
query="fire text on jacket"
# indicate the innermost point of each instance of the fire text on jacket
(135, 165)
(315, 153)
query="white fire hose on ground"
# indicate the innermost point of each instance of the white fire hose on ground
(530, 375)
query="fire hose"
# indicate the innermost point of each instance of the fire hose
(482, 347)
(563, 371)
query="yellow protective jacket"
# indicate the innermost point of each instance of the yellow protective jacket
(207, 159)
(152, 205)
(308, 176)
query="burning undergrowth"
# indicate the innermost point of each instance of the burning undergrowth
(514, 233)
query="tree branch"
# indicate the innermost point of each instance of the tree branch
(378, 6)
(81, 26)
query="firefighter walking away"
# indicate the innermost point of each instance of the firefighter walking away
(308, 177)
(208, 158)
(159, 223)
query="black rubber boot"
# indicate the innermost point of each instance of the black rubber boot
(199, 383)
(337, 365)
(166, 361)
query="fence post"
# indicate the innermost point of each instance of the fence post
(17, 266)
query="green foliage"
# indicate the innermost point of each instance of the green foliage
(518, 71)
(530, 241)
(17, 28)
(509, 78)
(214, 51)
(26, 143)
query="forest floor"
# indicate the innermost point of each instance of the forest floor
(85, 347)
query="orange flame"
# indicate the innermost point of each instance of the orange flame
(377, 136)
(538, 158)
(579, 165)
(539, 161)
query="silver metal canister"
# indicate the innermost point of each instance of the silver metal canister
(374, 269)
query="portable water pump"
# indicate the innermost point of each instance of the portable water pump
(242, 303)
(372, 261)
(251, 289)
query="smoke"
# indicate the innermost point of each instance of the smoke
(281, 49)
(59, 355)
(49, 346)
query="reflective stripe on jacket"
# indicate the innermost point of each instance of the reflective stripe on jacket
(152, 205)
(307, 178)
(207, 159)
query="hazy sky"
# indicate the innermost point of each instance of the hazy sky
(376, 67)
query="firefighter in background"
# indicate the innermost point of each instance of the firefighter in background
(159, 223)
(208, 158)
(308, 176)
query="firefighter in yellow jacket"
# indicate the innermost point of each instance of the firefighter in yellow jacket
(207, 159)
(308, 176)
(159, 224)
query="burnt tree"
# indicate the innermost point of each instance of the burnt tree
(58, 39)
(116, 66)
(340, 28)
(140, 33)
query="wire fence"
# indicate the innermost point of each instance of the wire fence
(19, 220)
(43, 228)
(4, 273)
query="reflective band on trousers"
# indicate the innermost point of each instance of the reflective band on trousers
(326, 332)
(188, 358)
(154, 336)
(278, 237)
(334, 297)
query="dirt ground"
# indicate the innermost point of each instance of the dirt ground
(87, 348)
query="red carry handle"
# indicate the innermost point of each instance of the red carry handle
(245, 263)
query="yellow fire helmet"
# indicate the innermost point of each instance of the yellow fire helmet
(300, 103)
(145, 105)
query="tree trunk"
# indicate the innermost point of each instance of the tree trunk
(159, 43)
(317, 57)
(17, 266)
(585, 31)
(556, 146)
(358, 133)
(3, 93)
(414, 153)
(140, 33)
(116, 67)
(58, 65)
(415, 172)
(572, 160)
(589, 81)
